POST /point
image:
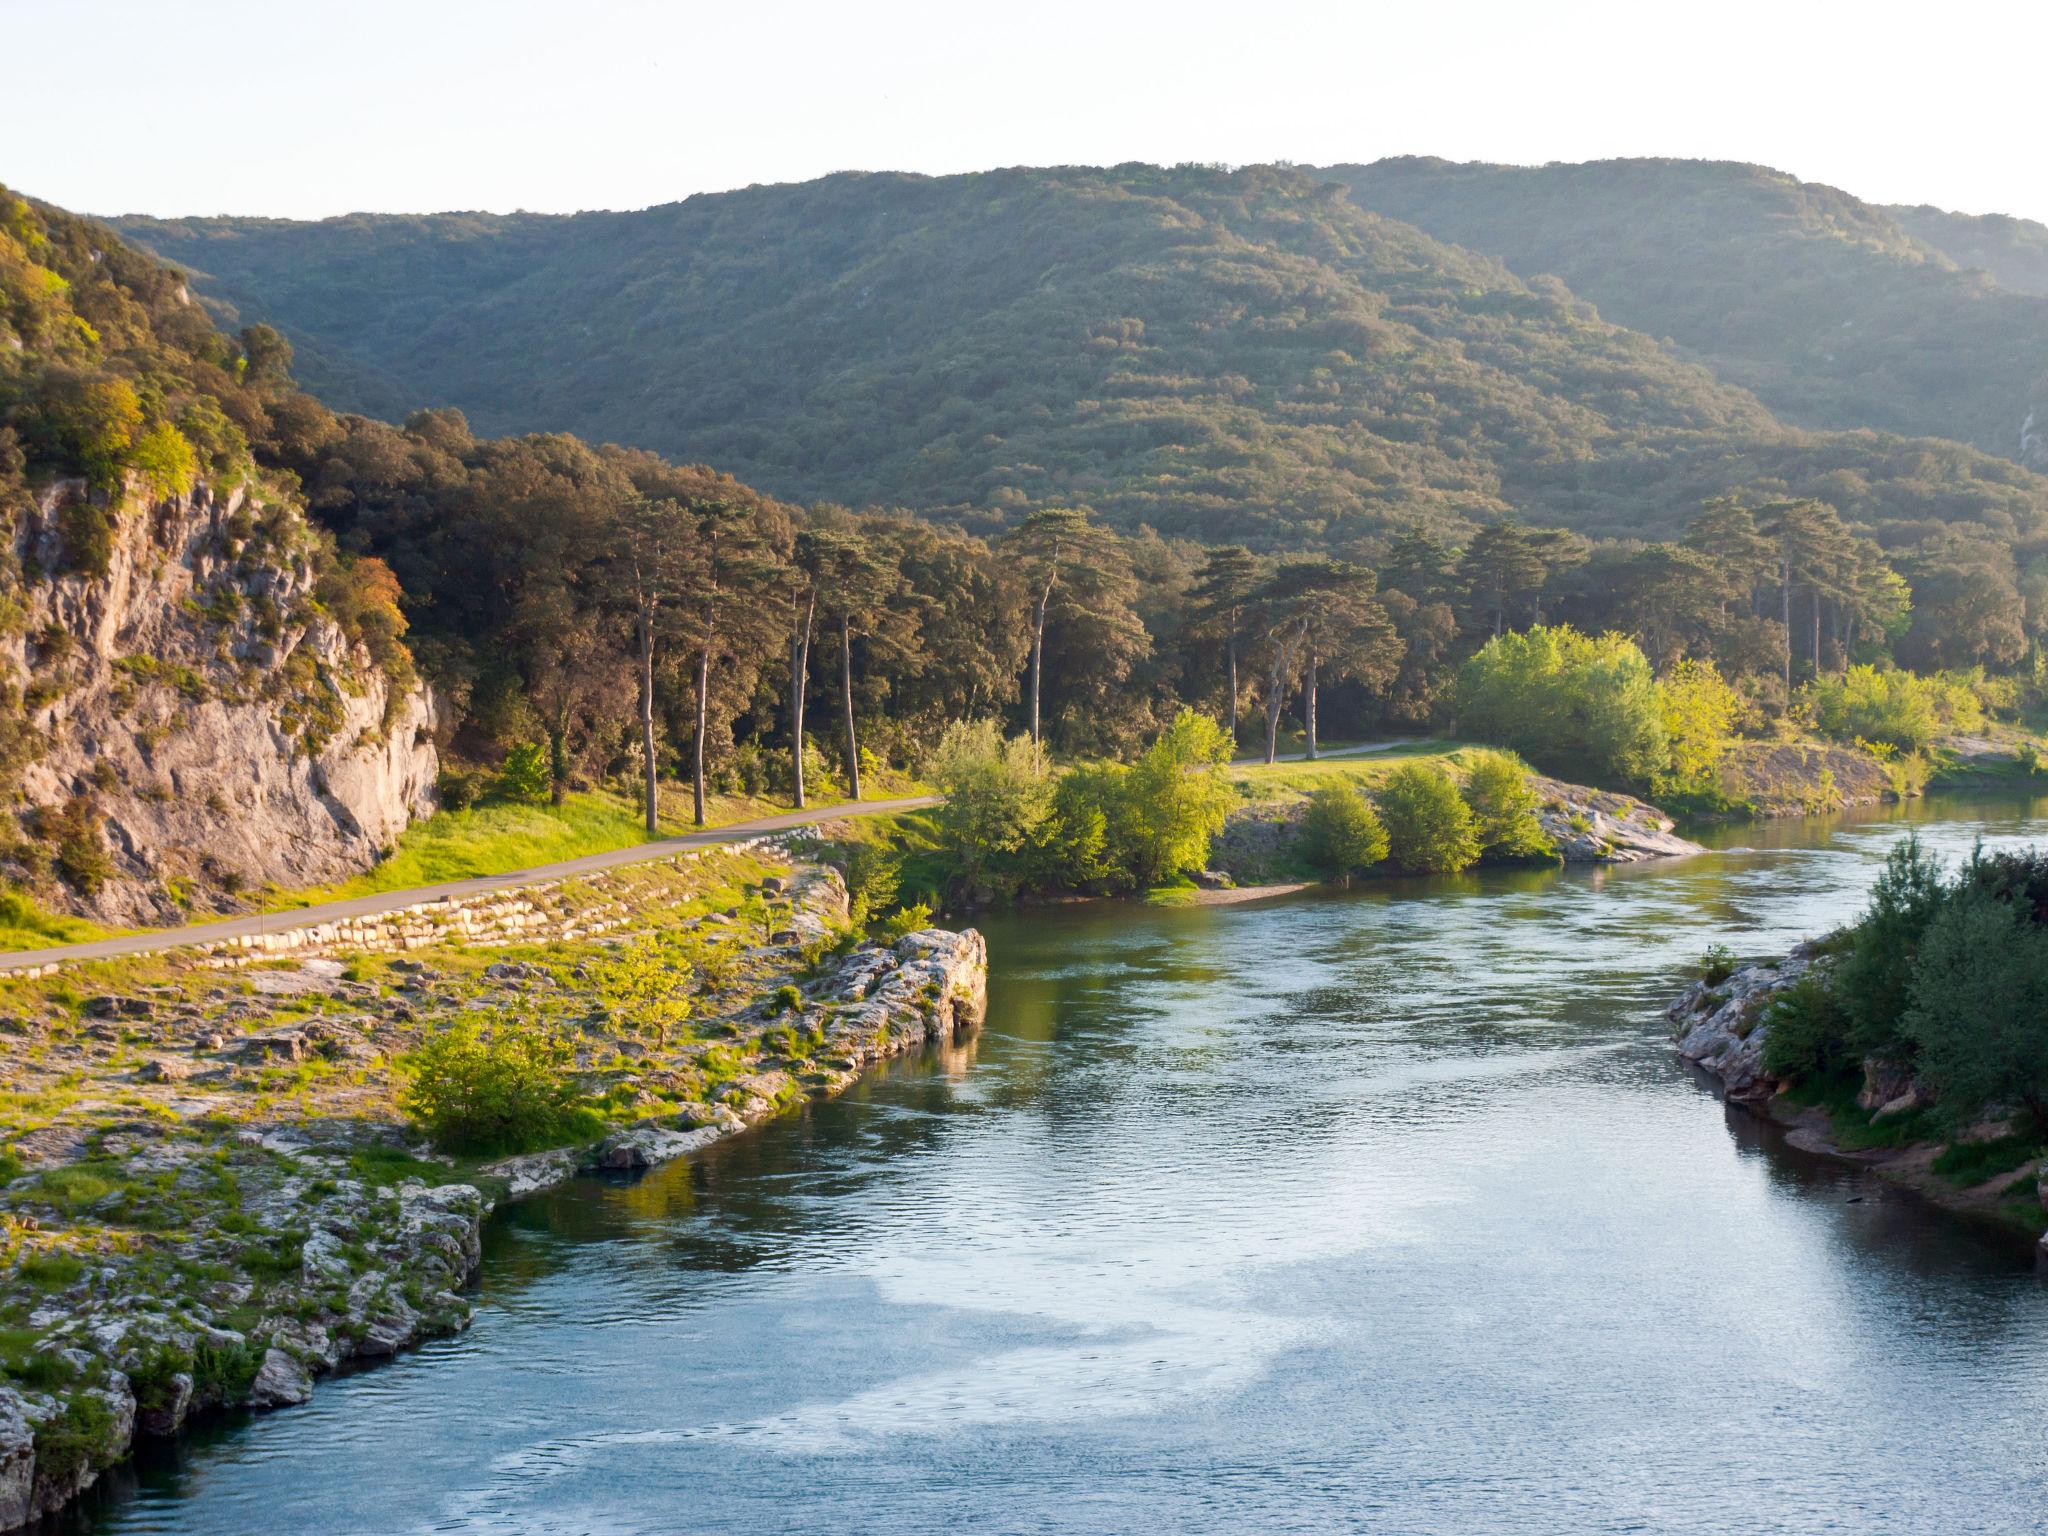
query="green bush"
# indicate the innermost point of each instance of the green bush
(85, 540)
(1429, 826)
(1503, 809)
(874, 875)
(79, 1437)
(1874, 978)
(1808, 1033)
(908, 920)
(1979, 999)
(1878, 704)
(997, 793)
(1340, 834)
(1584, 707)
(526, 776)
(1179, 796)
(1717, 964)
(81, 857)
(508, 1087)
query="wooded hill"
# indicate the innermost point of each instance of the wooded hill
(1248, 356)
(1837, 313)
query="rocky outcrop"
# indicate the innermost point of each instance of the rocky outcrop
(1598, 826)
(213, 725)
(1719, 1025)
(1803, 778)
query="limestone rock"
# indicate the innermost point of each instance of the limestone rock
(186, 710)
(280, 1381)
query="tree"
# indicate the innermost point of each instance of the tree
(1581, 706)
(1180, 797)
(861, 593)
(646, 984)
(1321, 614)
(1429, 827)
(1223, 588)
(1979, 994)
(650, 565)
(1505, 567)
(1503, 806)
(727, 605)
(1698, 712)
(1340, 833)
(1075, 572)
(996, 795)
(1874, 980)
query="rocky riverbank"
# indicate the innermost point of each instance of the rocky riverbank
(1721, 1024)
(209, 1197)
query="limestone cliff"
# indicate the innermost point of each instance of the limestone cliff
(187, 716)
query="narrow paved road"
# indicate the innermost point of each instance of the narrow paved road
(589, 864)
(389, 901)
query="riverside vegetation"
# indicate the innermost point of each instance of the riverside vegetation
(1914, 1034)
(220, 1183)
(597, 621)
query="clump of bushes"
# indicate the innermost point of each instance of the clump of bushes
(1341, 835)
(526, 776)
(1430, 829)
(1942, 977)
(905, 921)
(506, 1085)
(1503, 809)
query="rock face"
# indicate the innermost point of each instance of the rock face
(1597, 826)
(220, 729)
(1720, 1026)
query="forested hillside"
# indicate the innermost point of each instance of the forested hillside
(1242, 356)
(2013, 251)
(1827, 307)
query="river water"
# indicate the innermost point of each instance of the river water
(1388, 1211)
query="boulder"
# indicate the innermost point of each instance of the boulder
(280, 1381)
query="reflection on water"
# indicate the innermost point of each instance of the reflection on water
(1384, 1211)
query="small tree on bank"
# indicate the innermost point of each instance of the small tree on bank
(1340, 834)
(1429, 826)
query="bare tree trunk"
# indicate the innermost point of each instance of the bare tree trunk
(799, 676)
(647, 707)
(703, 719)
(1785, 600)
(1230, 652)
(846, 694)
(1311, 710)
(1038, 659)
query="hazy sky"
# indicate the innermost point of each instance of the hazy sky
(305, 108)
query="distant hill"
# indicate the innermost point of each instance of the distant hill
(1830, 309)
(1245, 355)
(2013, 251)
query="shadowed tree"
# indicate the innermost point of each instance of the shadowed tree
(1223, 586)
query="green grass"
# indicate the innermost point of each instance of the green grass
(24, 925)
(1967, 1163)
(1285, 781)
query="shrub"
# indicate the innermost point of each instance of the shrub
(997, 793)
(1698, 710)
(906, 921)
(1808, 1035)
(1341, 835)
(459, 789)
(1504, 809)
(786, 999)
(1081, 843)
(1429, 827)
(85, 539)
(1979, 995)
(1717, 964)
(526, 775)
(1874, 978)
(510, 1088)
(1179, 797)
(79, 1437)
(164, 461)
(1581, 706)
(874, 875)
(646, 984)
(81, 857)
(1877, 705)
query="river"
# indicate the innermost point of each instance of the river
(1387, 1211)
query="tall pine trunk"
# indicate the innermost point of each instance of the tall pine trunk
(846, 695)
(799, 676)
(1038, 659)
(647, 707)
(1310, 721)
(1230, 653)
(703, 719)
(1274, 700)
(1785, 601)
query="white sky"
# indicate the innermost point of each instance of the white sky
(312, 107)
